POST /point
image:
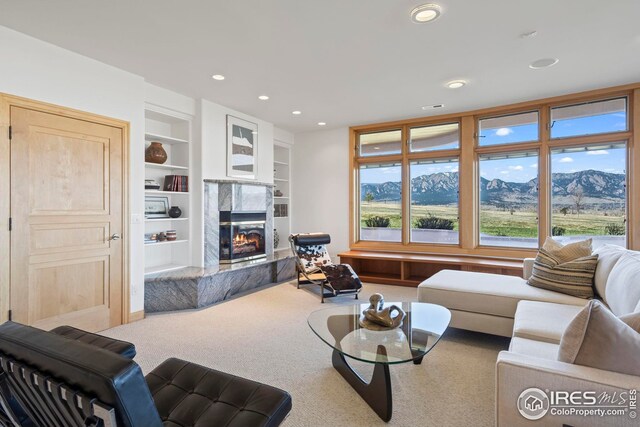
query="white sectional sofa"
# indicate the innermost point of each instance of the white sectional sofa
(535, 319)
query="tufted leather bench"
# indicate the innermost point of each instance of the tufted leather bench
(73, 378)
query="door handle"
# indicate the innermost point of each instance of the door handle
(114, 236)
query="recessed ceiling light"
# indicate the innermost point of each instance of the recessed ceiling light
(296, 113)
(263, 97)
(432, 107)
(217, 77)
(456, 84)
(425, 13)
(322, 124)
(543, 63)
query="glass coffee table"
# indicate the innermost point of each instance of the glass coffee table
(339, 327)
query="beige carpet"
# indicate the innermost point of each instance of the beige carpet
(264, 336)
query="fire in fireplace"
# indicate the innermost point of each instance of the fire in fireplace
(242, 236)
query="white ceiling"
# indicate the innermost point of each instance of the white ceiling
(347, 62)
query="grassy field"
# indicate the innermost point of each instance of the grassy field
(496, 222)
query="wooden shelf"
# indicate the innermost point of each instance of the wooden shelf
(186, 193)
(164, 166)
(412, 269)
(165, 219)
(162, 268)
(164, 139)
(280, 197)
(165, 243)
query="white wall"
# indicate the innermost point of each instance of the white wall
(321, 185)
(44, 72)
(34, 69)
(210, 154)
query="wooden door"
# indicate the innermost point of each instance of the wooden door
(66, 207)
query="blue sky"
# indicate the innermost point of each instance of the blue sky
(523, 169)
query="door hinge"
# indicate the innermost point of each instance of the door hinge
(10, 133)
(10, 223)
(10, 315)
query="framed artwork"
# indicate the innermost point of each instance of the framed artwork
(156, 207)
(242, 148)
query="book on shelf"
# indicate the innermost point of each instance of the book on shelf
(179, 183)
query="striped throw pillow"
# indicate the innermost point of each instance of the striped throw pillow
(572, 277)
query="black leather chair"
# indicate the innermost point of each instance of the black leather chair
(314, 264)
(69, 377)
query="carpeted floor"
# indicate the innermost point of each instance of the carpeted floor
(264, 336)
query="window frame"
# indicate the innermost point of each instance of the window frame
(468, 155)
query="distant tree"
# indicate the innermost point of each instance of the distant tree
(578, 199)
(564, 211)
(511, 210)
(368, 197)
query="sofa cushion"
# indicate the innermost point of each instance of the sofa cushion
(608, 256)
(493, 294)
(633, 320)
(543, 321)
(541, 349)
(597, 338)
(623, 285)
(571, 277)
(567, 252)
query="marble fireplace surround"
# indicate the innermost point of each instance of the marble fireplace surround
(198, 287)
(237, 196)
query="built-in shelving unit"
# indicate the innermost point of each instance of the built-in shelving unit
(173, 131)
(282, 202)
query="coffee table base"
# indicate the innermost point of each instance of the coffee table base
(377, 392)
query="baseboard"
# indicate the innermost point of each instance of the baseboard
(135, 316)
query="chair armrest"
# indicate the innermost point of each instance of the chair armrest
(527, 268)
(517, 372)
(123, 348)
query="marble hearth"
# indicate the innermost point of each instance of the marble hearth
(197, 287)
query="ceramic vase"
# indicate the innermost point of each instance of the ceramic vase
(155, 153)
(175, 212)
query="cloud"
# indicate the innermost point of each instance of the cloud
(597, 153)
(533, 165)
(504, 172)
(516, 168)
(504, 131)
(566, 160)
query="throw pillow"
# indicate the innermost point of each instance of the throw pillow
(597, 338)
(623, 285)
(633, 320)
(608, 256)
(572, 278)
(569, 251)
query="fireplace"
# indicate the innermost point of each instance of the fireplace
(242, 236)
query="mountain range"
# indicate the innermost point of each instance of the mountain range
(442, 187)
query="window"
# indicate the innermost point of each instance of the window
(381, 202)
(438, 137)
(471, 184)
(381, 143)
(522, 127)
(589, 118)
(589, 193)
(509, 200)
(434, 201)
